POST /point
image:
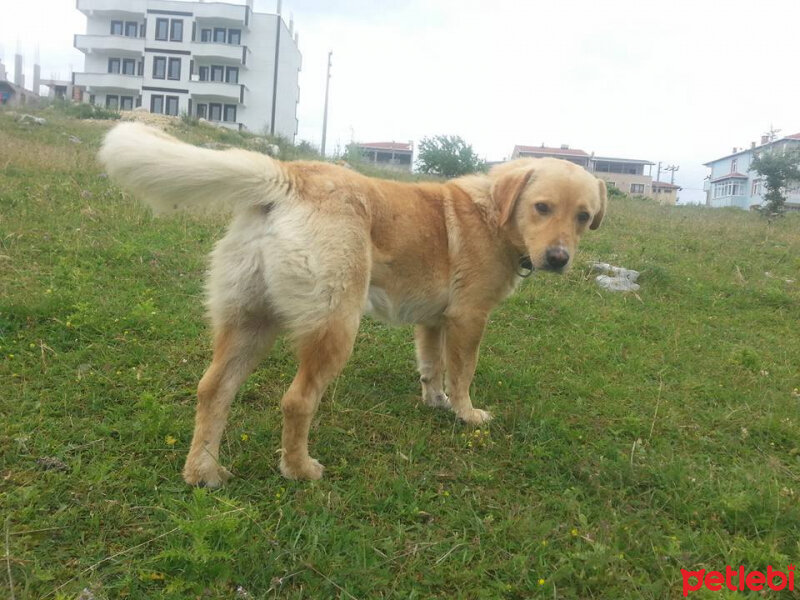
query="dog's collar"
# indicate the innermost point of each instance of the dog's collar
(525, 266)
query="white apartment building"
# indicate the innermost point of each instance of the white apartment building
(220, 61)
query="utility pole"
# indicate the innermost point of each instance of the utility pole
(658, 173)
(672, 168)
(275, 72)
(325, 114)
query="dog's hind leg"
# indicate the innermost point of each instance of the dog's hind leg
(322, 354)
(430, 363)
(237, 351)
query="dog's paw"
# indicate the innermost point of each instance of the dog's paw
(475, 416)
(310, 469)
(436, 400)
(207, 475)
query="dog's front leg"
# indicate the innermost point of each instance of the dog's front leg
(430, 362)
(463, 333)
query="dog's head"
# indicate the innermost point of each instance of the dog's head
(545, 206)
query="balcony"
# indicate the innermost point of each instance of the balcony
(216, 90)
(223, 13)
(121, 8)
(228, 54)
(115, 81)
(126, 46)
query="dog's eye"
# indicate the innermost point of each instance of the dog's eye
(542, 208)
(583, 217)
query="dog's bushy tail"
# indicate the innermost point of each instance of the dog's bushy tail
(170, 175)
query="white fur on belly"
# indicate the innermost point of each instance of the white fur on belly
(399, 311)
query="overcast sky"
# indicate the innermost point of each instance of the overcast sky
(680, 82)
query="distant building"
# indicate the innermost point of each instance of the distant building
(14, 93)
(212, 60)
(731, 183)
(666, 193)
(579, 157)
(626, 174)
(392, 155)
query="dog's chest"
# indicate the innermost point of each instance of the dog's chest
(402, 309)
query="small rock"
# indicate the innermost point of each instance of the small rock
(75, 139)
(26, 118)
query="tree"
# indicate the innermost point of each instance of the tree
(447, 156)
(780, 171)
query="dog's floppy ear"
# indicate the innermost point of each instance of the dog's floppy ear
(507, 190)
(598, 217)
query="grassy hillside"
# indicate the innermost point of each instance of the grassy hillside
(634, 434)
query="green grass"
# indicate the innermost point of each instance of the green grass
(634, 435)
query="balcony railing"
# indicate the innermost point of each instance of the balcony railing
(229, 53)
(217, 89)
(109, 43)
(128, 7)
(108, 81)
(735, 201)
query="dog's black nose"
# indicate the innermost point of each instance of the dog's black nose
(557, 257)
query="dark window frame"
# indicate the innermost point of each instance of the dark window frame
(224, 34)
(225, 113)
(172, 36)
(203, 73)
(202, 110)
(228, 71)
(108, 104)
(153, 99)
(140, 67)
(211, 107)
(162, 60)
(122, 102)
(121, 26)
(118, 62)
(167, 101)
(217, 69)
(128, 25)
(132, 63)
(238, 34)
(206, 35)
(170, 63)
(159, 24)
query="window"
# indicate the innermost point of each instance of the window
(174, 68)
(232, 74)
(755, 188)
(159, 67)
(128, 66)
(131, 28)
(235, 36)
(91, 99)
(230, 113)
(157, 104)
(162, 25)
(216, 73)
(142, 29)
(733, 165)
(215, 112)
(176, 30)
(637, 188)
(140, 68)
(203, 72)
(219, 35)
(205, 35)
(112, 102)
(172, 106)
(116, 27)
(113, 65)
(138, 101)
(202, 111)
(126, 103)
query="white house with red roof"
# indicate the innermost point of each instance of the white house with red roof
(731, 183)
(392, 155)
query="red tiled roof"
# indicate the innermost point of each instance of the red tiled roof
(387, 146)
(794, 136)
(546, 150)
(729, 176)
(666, 184)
